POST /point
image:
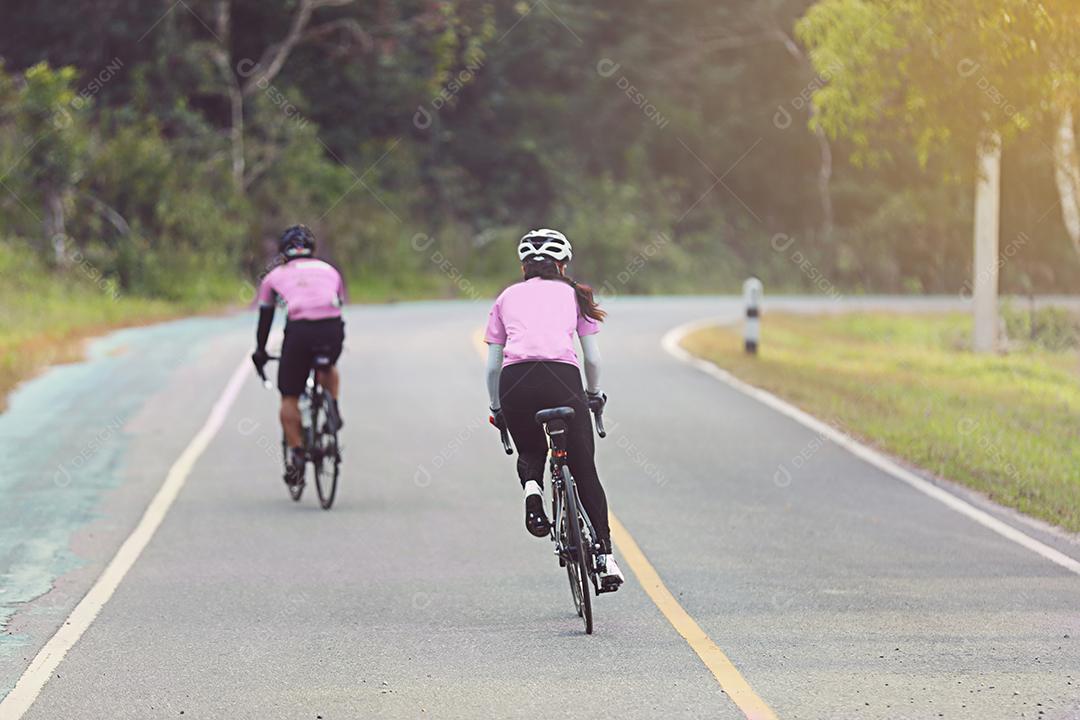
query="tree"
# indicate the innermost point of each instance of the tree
(51, 117)
(1064, 83)
(618, 119)
(770, 22)
(245, 78)
(954, 79)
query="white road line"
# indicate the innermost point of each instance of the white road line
(672, 344)
(44, 664)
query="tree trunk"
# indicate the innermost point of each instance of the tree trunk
(987, 228)
(55, 225)
(264, 71)
(825, 163)
(236, 135)
(222, 56)
(273, 59)
(824, 180)
(1067, 175)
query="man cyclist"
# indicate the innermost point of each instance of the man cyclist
(313, 293)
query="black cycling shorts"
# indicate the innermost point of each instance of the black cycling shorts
(306, 341)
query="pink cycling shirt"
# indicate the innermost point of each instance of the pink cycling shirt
(536, 320)
(311, 289)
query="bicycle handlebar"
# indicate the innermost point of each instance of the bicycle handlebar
(261, 371)
(507, 447)
(598, 415)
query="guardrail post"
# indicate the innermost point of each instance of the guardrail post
(752, 294)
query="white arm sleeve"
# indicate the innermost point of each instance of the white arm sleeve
(494, 369)
(590, 350)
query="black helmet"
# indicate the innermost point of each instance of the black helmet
(297, 241)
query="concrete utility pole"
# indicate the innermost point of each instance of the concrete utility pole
(987, 229)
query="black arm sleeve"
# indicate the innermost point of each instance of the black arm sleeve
(266, 319)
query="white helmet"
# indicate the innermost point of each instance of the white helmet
(545, 243)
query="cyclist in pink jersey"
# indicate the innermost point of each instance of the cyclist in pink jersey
(532, 365)
(312, 292)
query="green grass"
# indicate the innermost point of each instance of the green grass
(1006, 425)
(45, 316)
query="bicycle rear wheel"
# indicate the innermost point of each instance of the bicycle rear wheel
(576, 568)
(325, 458)
(327, 461)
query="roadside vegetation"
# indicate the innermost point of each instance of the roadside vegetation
(159, 154)
(46, 313)
(419, 143)
(45, 316)
(1005, 425)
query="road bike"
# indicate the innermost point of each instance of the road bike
(571, 530)
(319, 431)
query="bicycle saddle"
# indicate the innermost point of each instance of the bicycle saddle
(559, 413)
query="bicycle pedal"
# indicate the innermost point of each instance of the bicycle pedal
(609, 585)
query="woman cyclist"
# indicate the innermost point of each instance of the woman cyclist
(532, 366)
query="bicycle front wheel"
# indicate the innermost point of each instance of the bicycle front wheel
(571, 568)
(576, 568)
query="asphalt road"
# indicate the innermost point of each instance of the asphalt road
(843, 593)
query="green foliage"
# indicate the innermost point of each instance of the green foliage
(44, 138)
(46, 313)
(942, 76)
(50, 116)
(612, 120)
(185, 223)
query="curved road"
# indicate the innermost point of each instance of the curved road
(842, 593)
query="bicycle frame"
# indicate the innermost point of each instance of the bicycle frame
(313, 393)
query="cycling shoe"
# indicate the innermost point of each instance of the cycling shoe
(611, 578)
(536, 521)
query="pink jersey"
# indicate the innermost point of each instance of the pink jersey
(536, 320)
(311, 289)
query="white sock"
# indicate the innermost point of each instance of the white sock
(533, 488)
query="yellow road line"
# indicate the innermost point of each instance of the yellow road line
(731, 680)
(729, 677)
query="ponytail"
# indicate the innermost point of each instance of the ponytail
(548, 269)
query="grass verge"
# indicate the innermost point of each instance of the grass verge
(46, 316)
(1006, 425)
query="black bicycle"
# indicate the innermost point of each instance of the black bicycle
(571, 530)
(319, 430)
